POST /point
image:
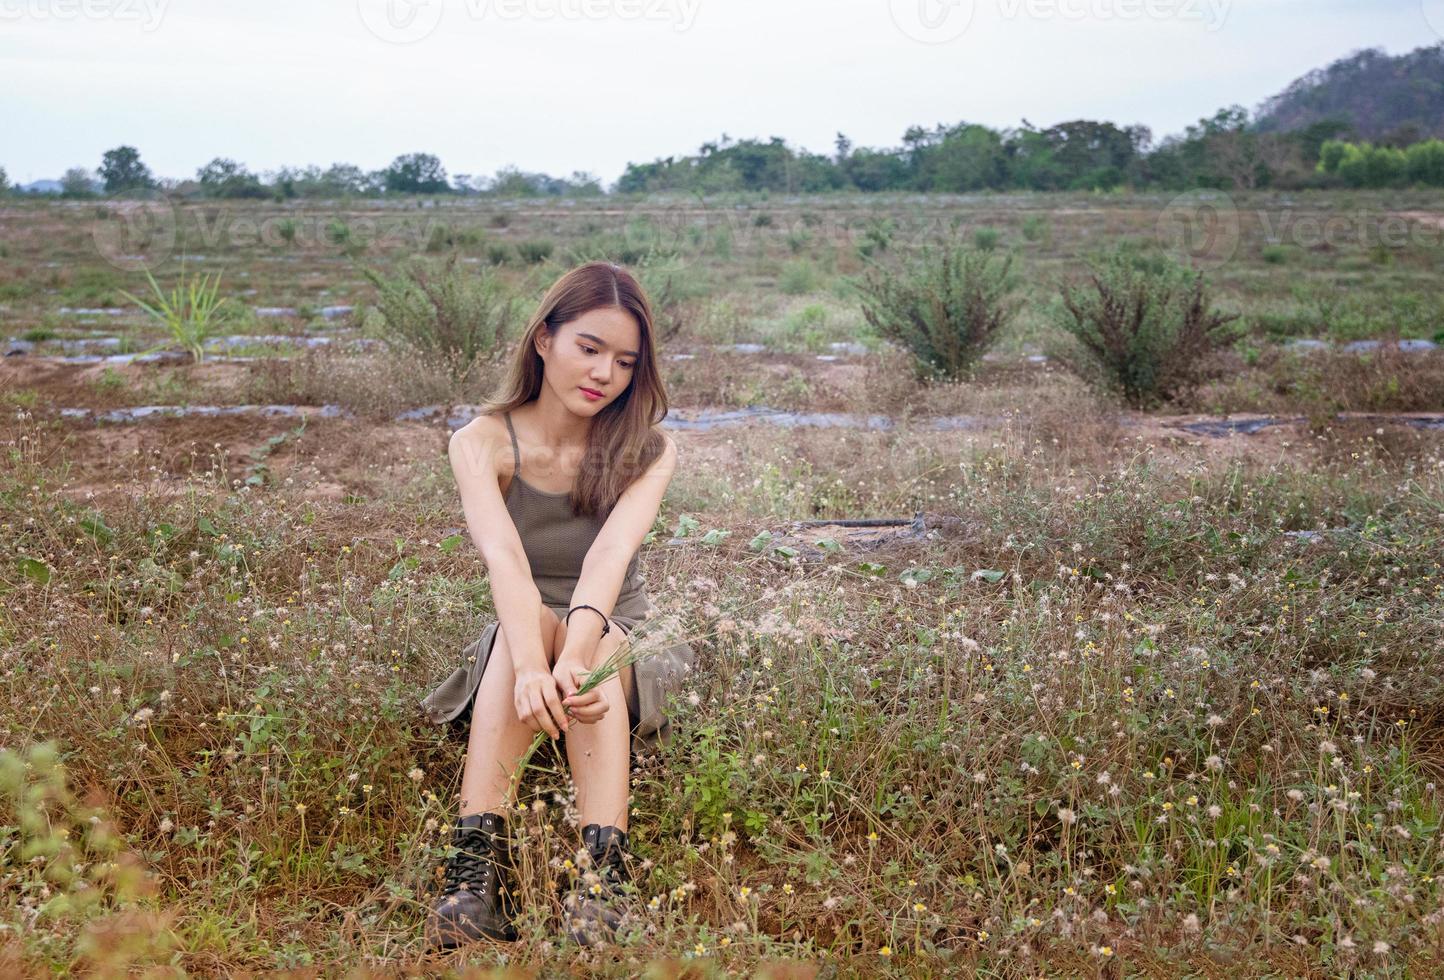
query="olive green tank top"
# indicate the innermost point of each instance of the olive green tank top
(556, 540)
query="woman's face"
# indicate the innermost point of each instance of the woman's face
(595, 353)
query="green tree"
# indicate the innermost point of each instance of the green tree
(77, 182)
(416, 173)
(1312, 137)
(122, 170)
(343, 179)
(968, 158)
(1366, 165)
(875, 170)
(227, 178)
(1033, 161)
(1331, 154)
(1426, 163)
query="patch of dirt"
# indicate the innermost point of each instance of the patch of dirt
(336, 457)
(55, 383)
(166, 456)
(70, 385)
(807, 538)
(1429, 219)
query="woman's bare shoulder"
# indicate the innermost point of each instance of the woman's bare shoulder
(480, 442)
(483, 428)
(670, 448)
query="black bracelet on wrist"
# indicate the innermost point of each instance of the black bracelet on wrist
(606, 626)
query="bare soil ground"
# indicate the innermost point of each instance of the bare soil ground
(334, 458)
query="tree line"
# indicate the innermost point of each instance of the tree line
(121, 169)
(1224, 151)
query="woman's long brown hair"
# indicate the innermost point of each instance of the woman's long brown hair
(623, 440)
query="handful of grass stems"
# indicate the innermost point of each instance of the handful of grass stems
(624, 656)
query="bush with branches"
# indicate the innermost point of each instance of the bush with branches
(945, 306)
(444, 316)
(1142, 325)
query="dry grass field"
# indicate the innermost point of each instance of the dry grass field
(1118, 693)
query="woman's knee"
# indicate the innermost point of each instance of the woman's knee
(550, 645)
(551, 627)
(606, 646)
(498, 670)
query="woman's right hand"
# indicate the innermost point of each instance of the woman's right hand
(539, 703)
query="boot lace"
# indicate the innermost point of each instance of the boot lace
(609, 864)
(471, 866)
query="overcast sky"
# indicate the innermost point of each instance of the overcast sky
(564, 85)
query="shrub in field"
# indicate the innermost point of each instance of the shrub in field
(618, 248)
(444, 315)
(722, 243)
(1036, 228)
(945, 307)
(797, 277)
(534, 253)
(75, 897)
(340, 234)
(192, 312)
(877, 236)
(673, 291)
(1142, 325)
(443, 237)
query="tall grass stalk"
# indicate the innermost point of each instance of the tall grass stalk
(190, 313)
(623, 656)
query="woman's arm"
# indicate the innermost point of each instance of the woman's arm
(606, 563)
(473, 451)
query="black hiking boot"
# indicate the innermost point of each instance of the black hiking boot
(592, 909)
(477, 901)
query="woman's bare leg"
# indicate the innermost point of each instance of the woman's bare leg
(498, 738)
(600, 753)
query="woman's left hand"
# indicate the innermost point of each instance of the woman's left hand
(588, 708)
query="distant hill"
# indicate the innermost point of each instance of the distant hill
(41, 187)
(1381, 98)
